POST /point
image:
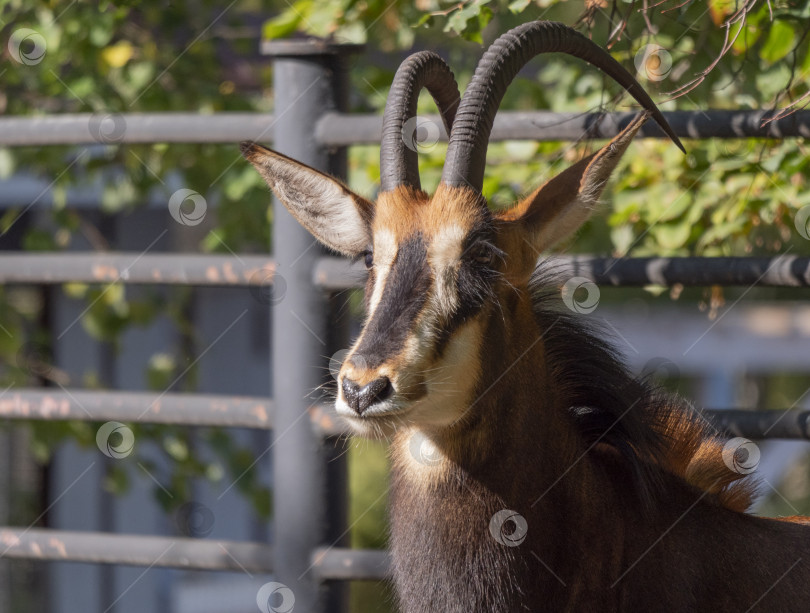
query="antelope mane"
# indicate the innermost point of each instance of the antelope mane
(654, 432)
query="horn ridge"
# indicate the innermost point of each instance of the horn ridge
(425, 69)
(466, 153)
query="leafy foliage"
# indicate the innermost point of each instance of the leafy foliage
(114, 57)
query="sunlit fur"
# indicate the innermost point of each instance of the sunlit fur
(524, 407)
(429, 384)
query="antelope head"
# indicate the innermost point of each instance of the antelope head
(448, 278)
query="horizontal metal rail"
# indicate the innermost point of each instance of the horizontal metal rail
(789, 424)
(334, 274)
(781, 271)
(256, 412)
(43, 404)
(132, 128)
(151, 268)
(337, 129)
(342, 129)
(166, 408)
(332, 563)
(134, 550)
(346, 564)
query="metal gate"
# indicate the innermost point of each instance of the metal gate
(310, 123)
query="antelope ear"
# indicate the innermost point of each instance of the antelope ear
(332, 213)
(559, 207)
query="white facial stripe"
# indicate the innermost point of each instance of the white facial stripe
(385, 250)
(444, 255)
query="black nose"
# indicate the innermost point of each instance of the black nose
(361, 398)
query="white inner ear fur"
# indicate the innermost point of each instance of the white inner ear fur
(568, 221)
(580, 208)
(591, 185)
(321, 204)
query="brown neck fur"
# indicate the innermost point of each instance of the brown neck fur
(500, 457)
(591, 511)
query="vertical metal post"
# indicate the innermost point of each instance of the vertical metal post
(309, 79)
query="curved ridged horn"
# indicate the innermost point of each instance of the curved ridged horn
(467, 151)
(398, 162)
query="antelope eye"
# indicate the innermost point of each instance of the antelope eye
(482, 255)
(369, 259)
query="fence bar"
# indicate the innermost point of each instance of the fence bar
(306, 85)
(789, 424)
(255, 412)
(782, 271)
(342, 129)
(779, 271)
(337, 129)
(134, 550)
(347, 564)
(117, 128)
(171, 408)
(759, 424)
(151, 268)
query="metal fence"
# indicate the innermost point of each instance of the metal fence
(311, 125)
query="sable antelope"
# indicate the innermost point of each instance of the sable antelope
(530, 470)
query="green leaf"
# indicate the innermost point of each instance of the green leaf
(469, 20)
(484, 17)
(38, 240)
(622, 238)
(7, 166)
(671, 236)
(176, 448)
(288, 22)
(518, 6)
(780, 42)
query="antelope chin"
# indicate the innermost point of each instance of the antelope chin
(378, 421)
(432, 411)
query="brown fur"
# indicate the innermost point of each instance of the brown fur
(590, 545)
(695, 454)
(628, 501)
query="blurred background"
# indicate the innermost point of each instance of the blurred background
(724, 348)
